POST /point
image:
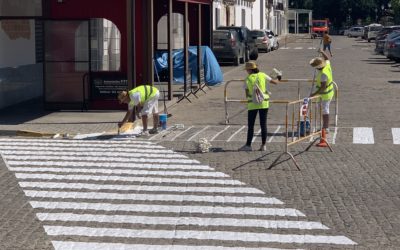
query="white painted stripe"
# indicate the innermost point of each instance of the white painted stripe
(311, 48)
(198, 221)
(256, 134)
(96, 159)
(275, 132)
(66, 142)
(119, 171)
(163, 132)
(298, 48)
(85, 136)
(199, 132)
(200, 235)
(108, 165)
(285, 48)
(363, 135)
(219, 133)
(71, 245)
(127, 179)
(150, 197)
(181, 133)
(146, 188)
(91, 153)
(335, 135)
(127, 144)
(80, 149)
(396, 135)
(234, 134)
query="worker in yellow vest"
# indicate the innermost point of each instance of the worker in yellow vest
(257, 80)
(144, 99)
(324, 85)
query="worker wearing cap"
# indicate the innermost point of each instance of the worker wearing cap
(324, 85)
(144, 99)
(262, 79)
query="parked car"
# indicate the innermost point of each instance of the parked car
(355, 32)
(262, 41)
(251, 51)
(372, 30)
(227, 46)
(274, 39)
(390, 44)
(381, 37)
(395, 50)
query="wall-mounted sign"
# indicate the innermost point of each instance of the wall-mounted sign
(106, 86)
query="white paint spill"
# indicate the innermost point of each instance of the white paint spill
(152, 188)
(396, 135)
(127, 178)
(150, 197)
(198, 221)
(200, 235)
(363, 135)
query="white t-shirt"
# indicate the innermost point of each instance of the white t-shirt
(135, 100)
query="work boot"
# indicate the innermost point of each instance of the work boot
(245, 148)
(263, 148)
(144, 133)
(153, 131)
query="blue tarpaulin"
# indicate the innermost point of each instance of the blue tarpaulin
(212, 71)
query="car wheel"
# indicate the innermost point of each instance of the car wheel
(369, 40)
(277, 45)
(236, 61)
(254, 55)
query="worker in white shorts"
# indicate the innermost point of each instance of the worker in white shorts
(144, 99)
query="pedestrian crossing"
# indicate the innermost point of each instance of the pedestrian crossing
(134, 194)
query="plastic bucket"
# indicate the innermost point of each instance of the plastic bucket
(163, 121)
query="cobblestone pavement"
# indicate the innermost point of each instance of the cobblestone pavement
(350, 195)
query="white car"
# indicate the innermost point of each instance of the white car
(355, 32)
(273, 39)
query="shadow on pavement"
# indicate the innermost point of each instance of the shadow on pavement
(23, 112)
(394, 82)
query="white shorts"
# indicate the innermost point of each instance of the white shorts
(151, 106)
(325, 107)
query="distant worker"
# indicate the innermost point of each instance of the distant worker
(324, 85)
(261, 79)
(327, 40)
(144, 100)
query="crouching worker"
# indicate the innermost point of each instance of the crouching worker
(144, 100)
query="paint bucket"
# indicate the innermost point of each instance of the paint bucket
(163, 121)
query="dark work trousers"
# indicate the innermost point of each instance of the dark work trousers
(251, 120)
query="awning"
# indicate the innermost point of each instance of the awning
(197, 1)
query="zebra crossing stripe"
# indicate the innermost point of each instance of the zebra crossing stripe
(198, 221)
(150, 197)
(258, 133)
(181, 133)
(219, 133)
(200, 235)
(178, 209)
(396, 135)
(127, 144)
(234, 134)
(62, 245)
(275, 132)
(75, 142)
(199, 132)
(298, 48)
(363, 135)
(152, 188)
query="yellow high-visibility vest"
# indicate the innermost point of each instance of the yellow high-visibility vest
(146, 92)
(262, 83)
(328, 93)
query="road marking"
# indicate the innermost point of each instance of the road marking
(275, 132)
(150, 197)
(234, 134)
(396, 135)
(335, 135)
(162, 133)
(255, 135)
(363, 135)
(193, 136)
(71, 245)
(109, 165)
(198, 221)
(147, 188)
(285, 48)
(126, 144)
(76, 142)
(298, 48)
(200, 235)
(220, 132)
(181, 133)
(126, 178)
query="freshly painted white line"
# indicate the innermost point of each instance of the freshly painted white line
(220, 132)
(161, 133)
(127, 179)
(363, 135)
(285, 48)
(335, 135)
(199, 132)
(66, 142)
(71, 245)
(96, 159)
(396, 135)
(181, 133)
(198, 221)
(150, 197)
(108, 165)
(298, 48)
(178, 209)
(90, 153)
(311, 48)
(127, 144)
(234, 134)
(119, 171)
(80, 149)
(275, 132)
(256, 134)
(85, 136)
(200, 235)
(147, 188)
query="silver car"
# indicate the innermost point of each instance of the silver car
(262, 40)
(274, 39)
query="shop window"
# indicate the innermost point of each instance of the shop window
(105, 42)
